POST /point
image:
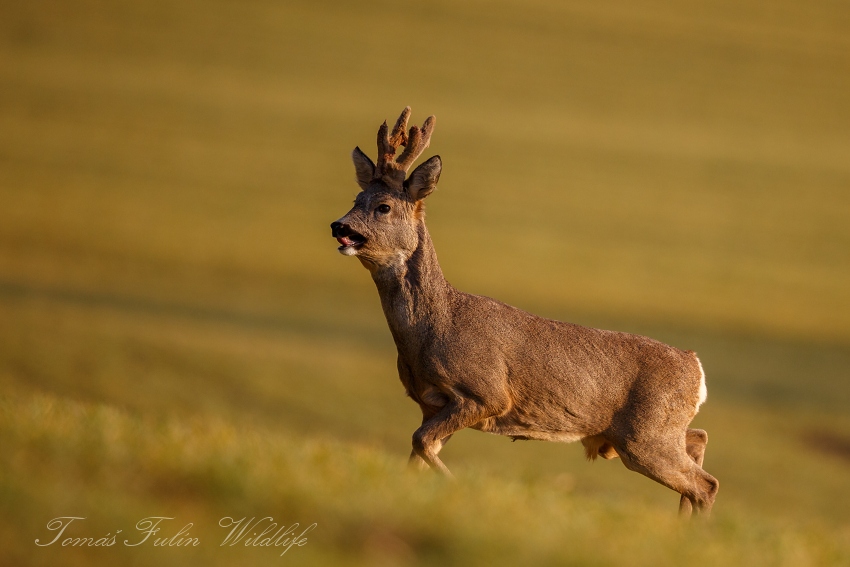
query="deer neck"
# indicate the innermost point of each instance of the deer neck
(414, 294)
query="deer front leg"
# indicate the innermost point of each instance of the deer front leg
(418, 462)
(435, 431)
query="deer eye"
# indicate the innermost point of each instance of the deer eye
(383, 209)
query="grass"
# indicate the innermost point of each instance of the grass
(179, 337)
(368, 509)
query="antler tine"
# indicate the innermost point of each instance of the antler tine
(388, 143)
(418, 140)
(398, 136)
(385, 150)
(411, 150)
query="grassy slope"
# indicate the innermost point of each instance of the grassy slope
(366, 507)
(167, 174)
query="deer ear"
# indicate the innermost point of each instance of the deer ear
(364, 168)
(424, 179)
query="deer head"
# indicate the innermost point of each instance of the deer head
(383, 226)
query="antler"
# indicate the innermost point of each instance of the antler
(414, 142)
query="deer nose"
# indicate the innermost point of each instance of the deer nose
(339, 229)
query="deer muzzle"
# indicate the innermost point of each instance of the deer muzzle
(350, 240)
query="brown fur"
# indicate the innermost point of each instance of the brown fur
(472, 361)
(419, 211)
(597, 446)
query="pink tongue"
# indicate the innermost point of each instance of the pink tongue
(345, 241)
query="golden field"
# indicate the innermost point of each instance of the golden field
(179, 336)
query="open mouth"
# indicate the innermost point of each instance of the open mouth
(353, 240)
(349, 240)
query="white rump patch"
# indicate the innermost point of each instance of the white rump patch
(703, 391)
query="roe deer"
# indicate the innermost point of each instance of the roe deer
(472, 361)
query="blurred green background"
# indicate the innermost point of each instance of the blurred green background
(179, 336)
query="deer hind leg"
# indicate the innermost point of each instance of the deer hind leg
(695, 441)
(435, 431)
(676, 468)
